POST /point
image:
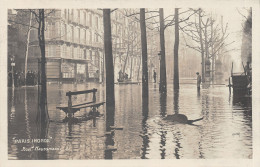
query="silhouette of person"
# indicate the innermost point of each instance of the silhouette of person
(198, 80)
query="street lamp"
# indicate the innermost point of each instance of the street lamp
(12, 65)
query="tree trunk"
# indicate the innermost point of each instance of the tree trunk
(144, 53)
(206, 42)
(176, 50)
(202, 49)
(110, 97)
(27, 48)
(212, 54)
(163, 81)
(43, 92)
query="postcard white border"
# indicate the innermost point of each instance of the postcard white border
(8, 4)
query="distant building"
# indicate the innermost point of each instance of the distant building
(74, 45)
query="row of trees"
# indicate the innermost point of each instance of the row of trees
(206, 35)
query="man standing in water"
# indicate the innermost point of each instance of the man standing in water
(198, 80)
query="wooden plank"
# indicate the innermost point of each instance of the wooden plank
(89, 105)
(80, 92)
(125, 83)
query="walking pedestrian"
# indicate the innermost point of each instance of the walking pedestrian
(198, 80)
(154, 76)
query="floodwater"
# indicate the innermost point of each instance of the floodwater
(224, 132)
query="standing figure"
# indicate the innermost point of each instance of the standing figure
(120, 73)
(154, 76)
(198, 80)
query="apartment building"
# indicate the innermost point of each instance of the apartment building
(74, 45)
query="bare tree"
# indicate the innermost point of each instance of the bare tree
(110, 97)
(176, 50)
(163, 79)
(144, 53)
(40, 16)
(207, 36)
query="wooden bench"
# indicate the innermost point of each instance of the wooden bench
(71, 109)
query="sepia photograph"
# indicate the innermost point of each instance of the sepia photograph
(130, 83)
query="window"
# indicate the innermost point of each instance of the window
(90, 36)
(78, 35)
(90, 55)
(51, 51)
(72, 34)
(71, 15)
(90, 20)
(71, 52)
(75, 35)
(68, 53)
(69, 34)
(84, 36)
(63, 51)
(67, 70)
(78, 52)
(75, 53)
(85, 19)
(85, 54)
(96, 22)
(47, 51)
(65, 32)
(78, 16)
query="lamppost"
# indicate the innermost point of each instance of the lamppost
(12, 65)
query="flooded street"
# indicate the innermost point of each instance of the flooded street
(224, 132)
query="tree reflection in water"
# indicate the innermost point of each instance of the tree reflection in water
(145, 113)
(110, 121)
(163, 133)
(176, 135)
(42, 124)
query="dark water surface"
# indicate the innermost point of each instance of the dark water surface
(225, 131)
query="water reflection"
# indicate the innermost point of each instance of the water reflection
(145, 134)
(110, 121)
(163, 133)
(176, 135)
(12, 115)
(198, 93)
(42, 133)
(163, 104)
(28, 132)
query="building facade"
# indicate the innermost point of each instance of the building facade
(74, 45)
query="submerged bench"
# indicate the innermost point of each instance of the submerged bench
(71, 109)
